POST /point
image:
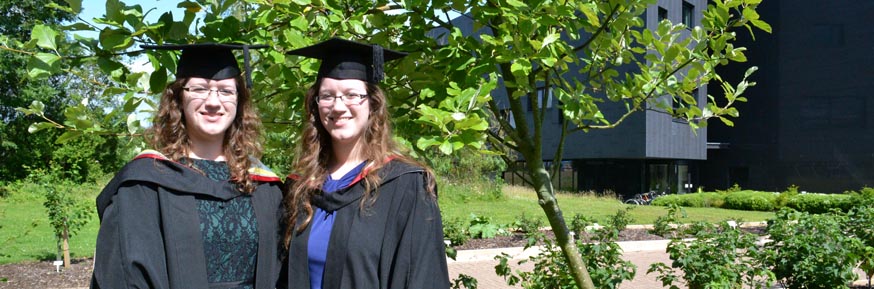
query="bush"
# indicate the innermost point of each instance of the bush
(862, 198)
(820, 203)
(859, 222)
(719, 256)
(750, 201)
(701, 200)
(599, 250)
(811, 250)
(785, 196)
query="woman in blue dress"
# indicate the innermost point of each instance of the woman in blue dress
(362, 214)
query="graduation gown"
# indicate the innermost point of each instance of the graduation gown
(149, 225)
(395, 243)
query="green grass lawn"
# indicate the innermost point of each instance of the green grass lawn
(25, 234)
(457, 202)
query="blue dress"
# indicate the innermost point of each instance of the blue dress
(320, 233)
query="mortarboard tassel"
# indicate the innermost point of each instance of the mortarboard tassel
(246, 66)
(378, 73)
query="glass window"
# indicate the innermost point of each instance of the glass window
(688, 15)
(663, 14)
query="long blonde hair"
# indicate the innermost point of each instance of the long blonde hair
(168, 133)
(315, 152)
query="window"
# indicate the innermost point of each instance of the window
(508, 116)
(540, 100)
(688, 15)
(548, 100)
(679, 104)
(560, 113)
(663, 14)
(822, 112)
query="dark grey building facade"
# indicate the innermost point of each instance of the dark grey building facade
(809, 119)
(650, 151)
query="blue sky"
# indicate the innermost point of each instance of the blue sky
(96, 8)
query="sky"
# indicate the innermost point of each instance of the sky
(96, 8)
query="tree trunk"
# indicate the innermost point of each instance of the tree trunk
(546, 197)
(65, 245)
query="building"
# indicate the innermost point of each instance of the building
(808, 121)
(650, 151)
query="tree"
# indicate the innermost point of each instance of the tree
(445, 94)
(17, 147)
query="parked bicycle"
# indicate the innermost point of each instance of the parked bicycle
(644, 198)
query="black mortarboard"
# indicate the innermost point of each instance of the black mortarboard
(344, 59)
(209, 60)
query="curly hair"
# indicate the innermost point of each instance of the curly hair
(168, 133)
(315, 151)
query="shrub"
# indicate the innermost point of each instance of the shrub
(783, 198)
(601, 254)
(701, 200)
(481, 227)
(820, 203)
(720, 256)
(859, 221)
(456, 232)
(750, 201)
(667, 225)
(531, 227)
(862, 198)
(811, 250)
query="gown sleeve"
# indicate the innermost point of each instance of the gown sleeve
(428, 254)
(130, 251)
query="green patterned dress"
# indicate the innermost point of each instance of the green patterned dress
(230, 233)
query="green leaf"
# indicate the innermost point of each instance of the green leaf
(75, 5)
(446, 147)
(750, 71)
(44, 36)
(671, 53)
(43, 64)
(517, 4)
(38, 126)
(761, 25)
(750, 13)
(115, 39)
(425, 142)
(68, 136)
(133, 123)
(158, 80)
(549, 39)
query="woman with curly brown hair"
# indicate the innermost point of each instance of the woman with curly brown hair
(362, 214)
(199, 211)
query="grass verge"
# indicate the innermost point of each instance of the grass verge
(25, 234)
(459, 202)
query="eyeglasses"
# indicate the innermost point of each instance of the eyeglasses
(199, 92)
(348, 99)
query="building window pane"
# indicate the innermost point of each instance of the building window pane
(663, 14)
(688, 15)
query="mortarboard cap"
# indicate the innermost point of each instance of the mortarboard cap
(209, 60)
(344, 59)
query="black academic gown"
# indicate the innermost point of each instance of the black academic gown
(394, 244)
(150, 227)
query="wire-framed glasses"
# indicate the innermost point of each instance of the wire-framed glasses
(200, 92)
(348, 99)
